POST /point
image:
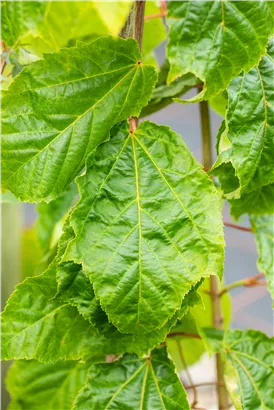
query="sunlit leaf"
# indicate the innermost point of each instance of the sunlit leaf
(45, 138)
(216, 40)
(149, 383)
(145, 242)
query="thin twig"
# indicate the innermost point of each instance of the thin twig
(182, 357)
(241, 228)
(203, 384)
(174, 334)
(153, 16)
(247, 282)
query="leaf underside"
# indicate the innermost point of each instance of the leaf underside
(58, 109)
(215, 40)
(147, 227)
(132, 383)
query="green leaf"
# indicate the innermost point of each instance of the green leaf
(257, 202)
(263, 228)
(252, 355)
(51, 214)
(149, 383)
(38, 386)
(34, 325)
(31, 252)
(154, 32)
(145, 242)
(37, 24)
(230, 377)
(45, 138)
(250, 124)
(163, 94)
(216, 40)
(75, 288)
(38, 324)
(19, 18)
(113, 14)
(197, 318)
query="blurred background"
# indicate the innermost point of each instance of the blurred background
(251, 307)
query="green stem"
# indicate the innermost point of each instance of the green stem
(217, 317)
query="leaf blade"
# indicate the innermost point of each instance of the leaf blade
(202, 35)
(140, 382)
(98, 92)
(119, 280)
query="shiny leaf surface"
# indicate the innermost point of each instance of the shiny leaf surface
(149, 383)
(144, 243)
(39, 386)
(215, 40)
(45, 138)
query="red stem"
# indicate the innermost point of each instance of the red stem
(241, 228)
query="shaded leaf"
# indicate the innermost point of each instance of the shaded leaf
(37, 386)
(163, 94)
(258, 202)
(145, 243)
(45, 138)
(50, 214)
(215, 40)
(149, 383)
(252, 355)
(263, 226)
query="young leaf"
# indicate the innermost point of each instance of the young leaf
(51, 214)
(145, 242)
(252, 355)
(263, 228)
(38, 386)
(149, 383)
(215, 40)
(47, 138)
(250, 124)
